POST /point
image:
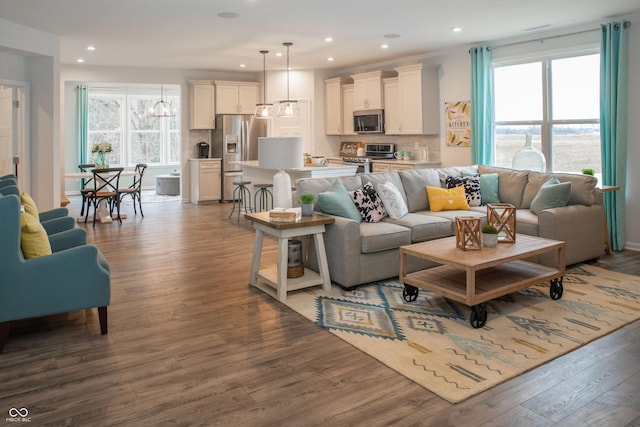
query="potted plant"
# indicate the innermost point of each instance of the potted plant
(489, 236)
(587, 171)
(306, 203)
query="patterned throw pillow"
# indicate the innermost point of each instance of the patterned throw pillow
(471, 187)
(392, 200)
(368, 203)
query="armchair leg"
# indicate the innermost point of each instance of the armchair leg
(4, 334)
(102, 314)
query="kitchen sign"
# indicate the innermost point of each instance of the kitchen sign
(458, 123)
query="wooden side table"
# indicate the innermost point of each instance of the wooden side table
(273, 280)
(607, 240)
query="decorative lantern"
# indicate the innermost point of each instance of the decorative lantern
(468, 233)
(503, 217)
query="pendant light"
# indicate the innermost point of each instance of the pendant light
(162, 108)
(288, 107)
(264, 110)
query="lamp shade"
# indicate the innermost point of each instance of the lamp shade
(281, 153)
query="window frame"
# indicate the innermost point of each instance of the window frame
(547, 122)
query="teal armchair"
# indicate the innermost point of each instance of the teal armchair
(74, 277)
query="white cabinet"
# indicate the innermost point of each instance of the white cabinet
(367, 94)
(202, 107)
(236, 97)
(205, 180)
(332, 107)
(347, 109)
(418, 96)
(391, 106)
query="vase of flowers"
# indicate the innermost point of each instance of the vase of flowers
(101, 150)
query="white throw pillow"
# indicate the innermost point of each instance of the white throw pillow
(392, 200)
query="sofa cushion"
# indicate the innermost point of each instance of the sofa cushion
(336, 201)
(526, 222)
(414, 182)
(582, 187)
(552, 194)
(456, 171)
(33, 237)
(369, 203)
(511, 183)
(382, 236)
(317, 185)
(424, 226)
(471, 184)
(477, 212)
(377, 178)
(392, 200)
(446, 199)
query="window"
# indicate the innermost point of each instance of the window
(553, 103)
(121, 117)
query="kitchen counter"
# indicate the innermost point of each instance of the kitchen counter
(415, 163)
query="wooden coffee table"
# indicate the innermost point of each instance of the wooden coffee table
(474, 277)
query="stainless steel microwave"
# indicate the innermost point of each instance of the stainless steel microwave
(368, 121)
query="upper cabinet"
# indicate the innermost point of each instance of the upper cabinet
(202, 107)
(333, 106)
(418, 96)
(347, 109)
(367, 90)
(391, 105)
(236, 97)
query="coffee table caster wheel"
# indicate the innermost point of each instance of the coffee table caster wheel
(478, 316)
(556, 288)
(410, 293)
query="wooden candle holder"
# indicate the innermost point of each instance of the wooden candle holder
(503, 217)
(468, 233)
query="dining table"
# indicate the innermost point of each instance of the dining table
(102, 214)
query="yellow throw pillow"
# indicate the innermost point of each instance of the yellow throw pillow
(33, 237)
(29, 205)
(447, 199)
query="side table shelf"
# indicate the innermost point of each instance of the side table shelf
(273, 280)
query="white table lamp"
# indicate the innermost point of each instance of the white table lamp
(281, 154)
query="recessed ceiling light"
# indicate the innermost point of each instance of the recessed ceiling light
(328, 39)
(243, 65)
(330, 58)
(91, 48)
(279, 54)
(384, 46)
(228, 15)
(391, 36)
(80, 60)
(456, 29)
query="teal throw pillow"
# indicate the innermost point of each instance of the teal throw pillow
(337, 201)
(552, 194)
(489, 188)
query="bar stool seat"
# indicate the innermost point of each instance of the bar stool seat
(242, 197)
(263, 197)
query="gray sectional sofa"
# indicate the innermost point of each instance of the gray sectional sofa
(361, 252)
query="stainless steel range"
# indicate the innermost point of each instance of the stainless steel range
(349, 152)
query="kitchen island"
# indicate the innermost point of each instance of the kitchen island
(252, 171)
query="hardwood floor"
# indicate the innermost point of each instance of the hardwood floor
(190, 343)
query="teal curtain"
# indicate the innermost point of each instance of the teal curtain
(481, 106)
(82, 108)
(613, 126)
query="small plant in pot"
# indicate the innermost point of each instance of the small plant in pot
(306, 203)
(489, 236)
(587, 171)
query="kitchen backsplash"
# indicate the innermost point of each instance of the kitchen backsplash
(404, 143)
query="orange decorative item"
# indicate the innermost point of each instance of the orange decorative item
(503, 217)
(468, 233)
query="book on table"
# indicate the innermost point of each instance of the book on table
(285, 214)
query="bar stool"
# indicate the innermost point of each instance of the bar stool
(264, 196)
(241, 196)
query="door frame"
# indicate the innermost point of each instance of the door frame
(21, 131)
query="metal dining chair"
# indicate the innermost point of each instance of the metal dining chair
(135, 189)
(105, 189)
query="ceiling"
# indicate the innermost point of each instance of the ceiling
(190, 34)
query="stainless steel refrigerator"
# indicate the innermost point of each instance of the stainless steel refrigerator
(235, 139)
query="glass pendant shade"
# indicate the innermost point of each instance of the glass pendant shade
(288, 107)
(162, 108)
(264, 111)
